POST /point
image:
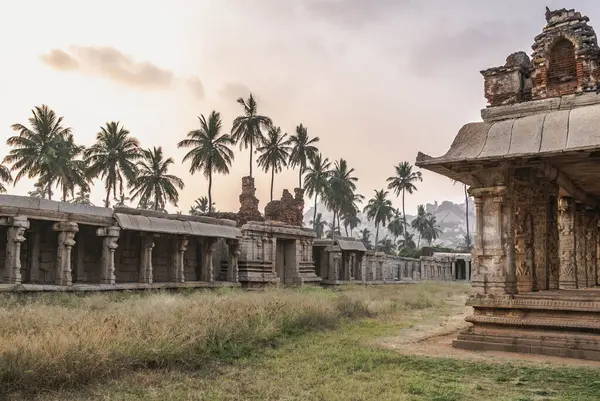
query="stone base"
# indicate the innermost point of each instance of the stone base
(562, 323)
(78, 287)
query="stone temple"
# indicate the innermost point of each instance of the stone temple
(533, 167)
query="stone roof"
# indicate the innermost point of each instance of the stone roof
(174, 226)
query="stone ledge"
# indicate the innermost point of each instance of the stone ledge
(111, 287)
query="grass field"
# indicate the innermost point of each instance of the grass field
(307, 344)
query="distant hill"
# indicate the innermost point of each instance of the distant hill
(449, 215)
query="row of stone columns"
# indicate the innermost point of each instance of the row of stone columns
(110, 236)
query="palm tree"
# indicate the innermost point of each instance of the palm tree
(69, 171)
(379, 209)
(303, 150)
(396, 225)
(468, 236)
(34, 150)
(247, 128)
(351, 221)
(403, 182)
(365, 237)
(210, 149)
(316, 180)
(387, 246)
(200, 207)
(341, 190)
(39, 191)
(420, 223)
(432, 230)
(319, 225)
(152, 183)
(113, 158)
(83, 197)
(332, 230)
(408, 242)
(5, 177)
(122, 201)
(274, 153)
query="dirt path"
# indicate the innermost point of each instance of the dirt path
(433, 336)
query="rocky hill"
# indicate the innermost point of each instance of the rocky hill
(450, 217)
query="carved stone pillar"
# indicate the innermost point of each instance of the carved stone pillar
(209, 246)
(553, 243)
(178, 259)
(523, 250)
(590, 247)
(494, 258)
(145, 273)
(566, 243)
(66, 241)
(15, 236)
(234, 255)
(109, 245)
(580, 246)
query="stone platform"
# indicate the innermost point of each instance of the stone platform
(563, 323)
(113, 287)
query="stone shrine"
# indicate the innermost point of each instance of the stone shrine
(533, 168)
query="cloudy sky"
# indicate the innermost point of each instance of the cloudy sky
(376, 80)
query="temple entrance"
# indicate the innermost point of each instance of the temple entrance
(285, 260)
(460, 270)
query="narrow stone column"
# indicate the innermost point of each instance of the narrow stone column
(453, 270)
(234, 256)
(110, 236)
(590, 247)
(34, 262)
(178, 273)
(567, 278)
(208, 248)
(66, 241)
(15, 236)
(468, 270)
(145, 273)
(81, 275)
(580, 246)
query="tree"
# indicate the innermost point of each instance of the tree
(83, 197)
(467, 239)
(122, 201)
(351, 221)
(70, 171)
(5, 177)
(39, 191)
(247, 128)
(113, 158)
(379, 209)
(341, 188)
(152, 183)
(365, 237)
(210, 151)
(332, 230)
(274, 153)
(34, 150)
(303, 150)
(200, 207)
(420, 223)
(432, 231)
(403, 182)
(319, 225)
(316, 180)
(396, 225)
(387, 246)
(408, 242)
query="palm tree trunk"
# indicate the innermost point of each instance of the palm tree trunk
(107, 196)
(315, 212)
(376, 236)
(300, 178)
(50, 190)
(467, 213)
(333, 225)
(419, 240)
(404, 216)
(272, 181)
(209, 191)
(251, 160)
(346, 229)
(156, 201)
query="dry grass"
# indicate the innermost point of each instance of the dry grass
(56, 341)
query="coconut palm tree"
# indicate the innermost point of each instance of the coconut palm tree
(432, 230)
(319, 225)
(70, 171)
(351, 221)
(247, 128)
(387, 246)
(396, 224)
(332, 230)
(5, 177)
(303, 150)
(316, 179)
(365, 237)
(39, 191)
(421, 223)
(403, 182)
(113, 158)
(152, 183)
(407, 242)
(210, 151)
(274, 153)
(341, 189)
(82, 197)
(34, 150)
(200, 207)
(379, 209)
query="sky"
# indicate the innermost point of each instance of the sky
(376, 80)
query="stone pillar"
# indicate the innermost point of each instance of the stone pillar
(360, 275)
(580, 246)
(335, 257)
(234, 255)
(15, 236)
(178, 259)
(553, 243)
(590, 247)
(145, 273)
(66, 241)
(468, 270)
(567, 278)
(453, 270)
(494, 269)
(34, 255)
(81, 275)
(208, 248)
(110, 236)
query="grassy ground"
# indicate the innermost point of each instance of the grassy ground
(308, 344)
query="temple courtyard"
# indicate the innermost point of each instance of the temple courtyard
(351, 343)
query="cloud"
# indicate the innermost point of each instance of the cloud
(195, 86)
(110, 63)
(233, 91)
(60, 60)
(356, 13)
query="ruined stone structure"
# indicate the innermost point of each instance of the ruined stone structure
(288, 210)
(60, 246)
(446, 266)
(532, 167)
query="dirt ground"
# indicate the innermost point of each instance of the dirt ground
(433, 336)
